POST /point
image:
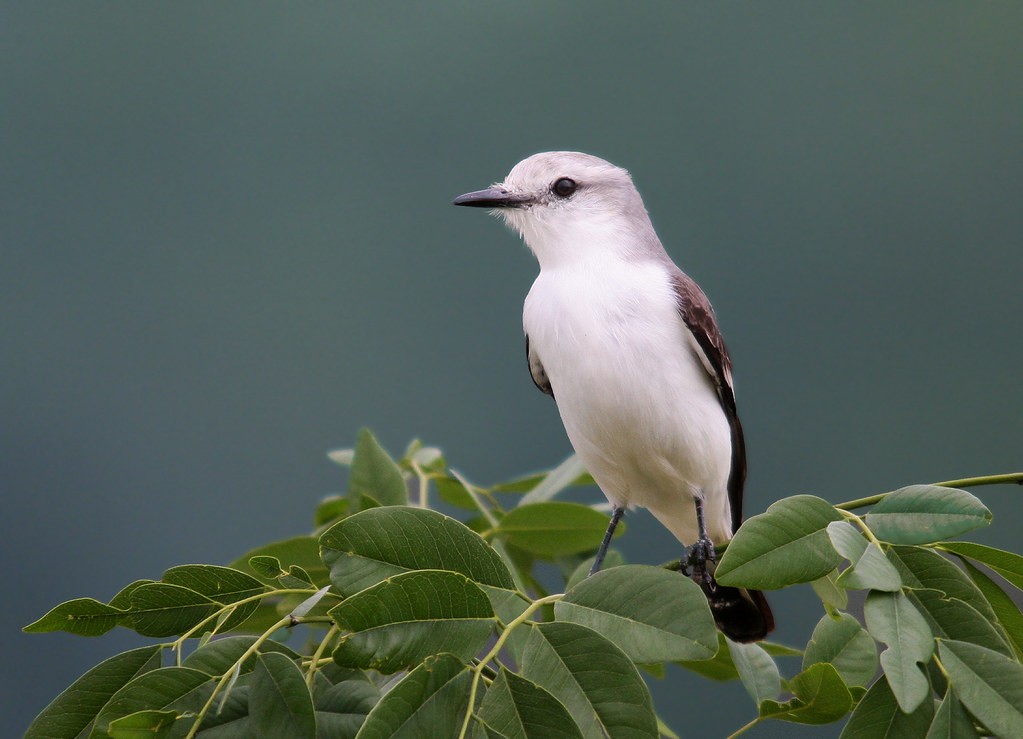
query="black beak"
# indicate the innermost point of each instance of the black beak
(492, 197)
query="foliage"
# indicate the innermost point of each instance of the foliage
(418, 624)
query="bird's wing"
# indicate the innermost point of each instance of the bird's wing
(696, 312)
(536, 371)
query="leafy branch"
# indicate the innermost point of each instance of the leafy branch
(416, 623)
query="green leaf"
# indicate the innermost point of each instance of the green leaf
(375, 475)
(221, 584)
(279, 702)
(166, 688)
(921, 514)
(555, 528)
(343, 699)
(143, 725)
(878, 715)
(952, 618)
(952, 721)
(787, 544)
(830, 593)
(612, 559)
(1005, 608)
(820, 698)
(561, 477)
(758, 672)
(408, 617)
(720, 667)
(597, 682)
(517, 708)
(160, 609)
(452, 491)
(71, 712)
(330, 509)
(925, 568)
(429, 701)
(372, 545)
(217, 656)
(651, 614)
(1006, 564)
(81, 616)
(893, 619)
(122, 600)
(303, 551)
(988, 684)
(869, 569)
(846, 645)
(509, 605)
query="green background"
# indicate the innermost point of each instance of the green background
(226, 244)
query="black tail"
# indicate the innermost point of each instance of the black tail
(741, 615)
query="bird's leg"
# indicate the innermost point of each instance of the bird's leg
(616, 516)
(695, 559)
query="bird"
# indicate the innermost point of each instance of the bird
(628, 346)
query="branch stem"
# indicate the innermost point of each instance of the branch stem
(966, 482)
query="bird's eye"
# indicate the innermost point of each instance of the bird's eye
(564, 187)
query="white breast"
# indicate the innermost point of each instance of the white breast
(637, 403)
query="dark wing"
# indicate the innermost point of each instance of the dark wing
(698, 315)
(536, 371)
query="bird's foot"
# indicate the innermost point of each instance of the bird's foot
(695, 559)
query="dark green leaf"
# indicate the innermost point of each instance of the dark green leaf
(720, 667)
(518, 708)
(221, 584)
(372, 545)
(843, 643)
(122, 600)
(554, 528)
(330, 509)
(166, 688)
(925, 568)
(303, 551)
(1006, 564)
(279, 701)
(453, 492)
(952, 618)
(820, 698)
(758, 672)
(161, 609)
(652, 614)
(82, 616)
(988, 684)
(893, 619)
(878, 715)
(593, 679)
(217, 656)
(343, 699)
(921, 514)
(869, 569)
(785, 545)
(1005, 608)
(408, 617)
(429, 701)
(509, 605)
(71, 712)
(952, 721)
(374, 474)
(143, 725)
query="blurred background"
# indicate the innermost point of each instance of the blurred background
(226, 244)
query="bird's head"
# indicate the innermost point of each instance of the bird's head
(570, 206)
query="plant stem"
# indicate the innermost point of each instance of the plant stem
(744, 729)
(966, 482)
(315, 661)
(498, 645)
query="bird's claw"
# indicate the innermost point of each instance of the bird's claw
(694, 561)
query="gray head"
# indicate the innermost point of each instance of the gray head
(570, 206)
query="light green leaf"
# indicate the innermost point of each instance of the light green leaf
(1005, 608)
(143, 725)
(1006, 564)
(593, 679)
(785, 545)
(82, 616)
(846, 645)
(71, 712)
(820, 698)
(651, 614)
(166, 688)
(517, 708)
(375, 475)
(869, 569)
(921, 514)
(561, 477)
(279, 701)
(612, 559)
(720, 667)
(758, 672)
(397, 623)
(893, 619)
(829, 592)
(988, 684)
(952, 618)
(878, 715)
(372, 545)
(925, 568)
(554, 528)
(952, 721)
(429, 701)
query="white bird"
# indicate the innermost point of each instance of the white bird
(628, 346)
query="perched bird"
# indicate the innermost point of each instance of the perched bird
(628, 346)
